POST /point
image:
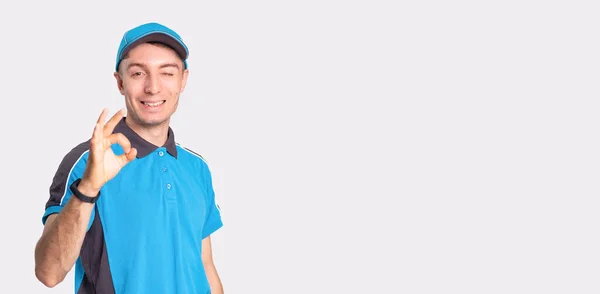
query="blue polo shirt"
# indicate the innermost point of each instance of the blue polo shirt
(146, 230)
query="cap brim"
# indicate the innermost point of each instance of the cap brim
(162, 38)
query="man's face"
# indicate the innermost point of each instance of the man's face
(151, 79)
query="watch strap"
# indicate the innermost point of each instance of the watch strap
(80, 195)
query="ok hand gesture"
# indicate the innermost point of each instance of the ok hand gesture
(103, 164)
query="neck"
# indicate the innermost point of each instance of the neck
(156, 134)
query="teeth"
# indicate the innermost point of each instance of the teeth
(154, 104)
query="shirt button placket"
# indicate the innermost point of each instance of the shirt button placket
(166, 179)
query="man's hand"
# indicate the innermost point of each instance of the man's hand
(103, 164)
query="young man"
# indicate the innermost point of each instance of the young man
(130, 208)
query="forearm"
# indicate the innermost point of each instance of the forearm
(60, 244)
(216, 287)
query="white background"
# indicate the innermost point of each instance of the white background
(356, 147)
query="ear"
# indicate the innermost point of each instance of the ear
(184, 80)
(119, 83)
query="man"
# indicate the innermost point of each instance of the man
(130, 208)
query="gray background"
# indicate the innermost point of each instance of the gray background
(356, 147)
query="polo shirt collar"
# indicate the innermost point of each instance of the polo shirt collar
(144, 147)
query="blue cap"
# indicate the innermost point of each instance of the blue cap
(152, 32)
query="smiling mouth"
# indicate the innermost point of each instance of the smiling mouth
(153, 104)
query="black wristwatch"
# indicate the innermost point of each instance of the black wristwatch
(80, 195)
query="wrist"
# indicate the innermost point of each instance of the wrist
(87, 188)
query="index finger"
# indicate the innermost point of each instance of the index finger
(114, 120)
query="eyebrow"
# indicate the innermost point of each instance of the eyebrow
(135, 64)
(175, 65)
(144, 66)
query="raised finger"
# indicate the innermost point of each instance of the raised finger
(102, 117)
(118, 138)
(96, 141)
(114, 120)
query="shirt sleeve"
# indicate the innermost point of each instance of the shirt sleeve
(70, 169)
(213, 220)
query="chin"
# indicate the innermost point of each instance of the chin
(153, 122)
(150, 121)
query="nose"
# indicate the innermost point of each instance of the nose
(153, 85)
